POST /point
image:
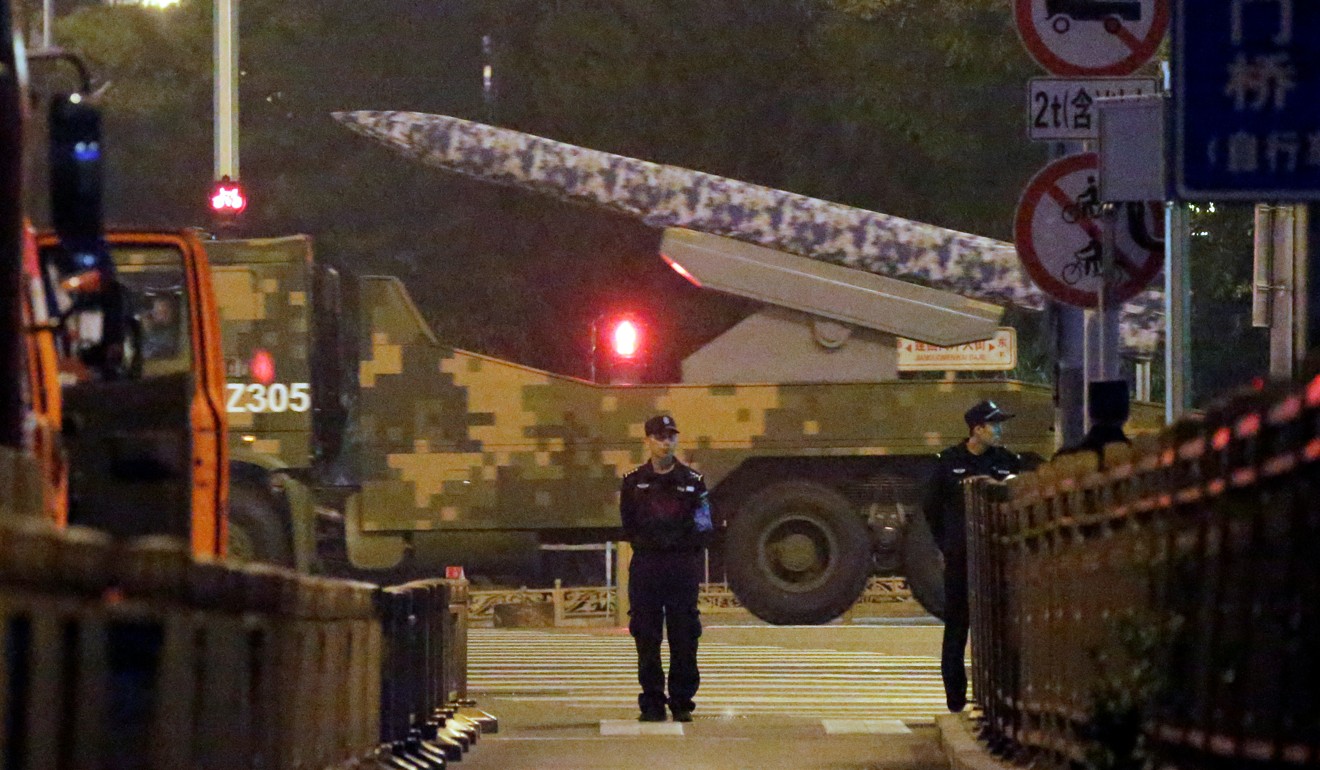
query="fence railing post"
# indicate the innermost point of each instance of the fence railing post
(621, 591)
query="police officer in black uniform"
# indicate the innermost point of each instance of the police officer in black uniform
(1107, 406)
(980, 454)
(666, 516)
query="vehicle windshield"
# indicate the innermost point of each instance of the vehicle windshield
(154, 278)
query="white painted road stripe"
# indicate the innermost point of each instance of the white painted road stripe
(850, 691)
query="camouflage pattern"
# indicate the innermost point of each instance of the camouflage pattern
(452, 440)
(457, 440)
(667, 196)
(263, 292)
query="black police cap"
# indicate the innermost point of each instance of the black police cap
(660, 425)
(984, 412)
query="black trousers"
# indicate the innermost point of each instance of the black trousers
(662, 594)
(957, 617)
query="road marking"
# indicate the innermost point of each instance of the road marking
(855, 690)
(864, 727)
(633, 727)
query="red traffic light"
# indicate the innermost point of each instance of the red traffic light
(227, 197)
(626, 338)
(262, 366)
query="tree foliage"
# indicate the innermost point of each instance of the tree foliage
(1226, 351)
(910, 107)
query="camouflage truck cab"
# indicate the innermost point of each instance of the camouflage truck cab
(432, 456)
(265, 293)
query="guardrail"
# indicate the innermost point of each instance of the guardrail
(1163, 609)
(135, 655)
(595, 605)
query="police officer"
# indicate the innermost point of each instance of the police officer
(1107, 406)
(666, 517)
(980, 454)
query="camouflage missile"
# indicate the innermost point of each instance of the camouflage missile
(668, 196)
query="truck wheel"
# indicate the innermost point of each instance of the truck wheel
(797, 553)
(922, 565)
(256, 528)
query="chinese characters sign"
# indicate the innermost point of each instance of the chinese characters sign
(999, 353)
(1064, 109)
(1246, 90)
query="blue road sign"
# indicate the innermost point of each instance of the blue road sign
(1246, 100)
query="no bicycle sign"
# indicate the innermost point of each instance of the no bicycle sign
(1060, 241)
(1097, 38)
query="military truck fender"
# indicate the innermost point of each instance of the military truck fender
(797, 553)
(275, 512)
(371, 550)
(258, 521)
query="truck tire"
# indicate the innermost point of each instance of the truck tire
(797, 553)
(257, 531)
(923, 566)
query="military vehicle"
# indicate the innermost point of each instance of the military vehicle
(353, 424)
(349, 418)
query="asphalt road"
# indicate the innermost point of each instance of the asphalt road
(836, 697)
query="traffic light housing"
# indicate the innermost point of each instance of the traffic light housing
(625, 339)
(618, 349)
(227, 200)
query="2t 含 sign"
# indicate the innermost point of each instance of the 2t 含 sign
(1064, 109)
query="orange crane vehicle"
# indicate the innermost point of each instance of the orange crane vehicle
(102, 424)
(148, 449)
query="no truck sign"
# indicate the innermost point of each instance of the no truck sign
(1097, 38)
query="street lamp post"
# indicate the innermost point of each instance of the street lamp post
(226, 89)
(47, 24)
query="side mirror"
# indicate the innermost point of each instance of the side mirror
(75, 183)
(80, 273)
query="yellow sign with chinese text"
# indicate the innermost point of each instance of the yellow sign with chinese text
(999, 353)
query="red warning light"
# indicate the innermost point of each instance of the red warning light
(227, 197)
(627, 339)
(262, 367)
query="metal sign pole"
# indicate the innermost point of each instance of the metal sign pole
(1070, 374)
(1308, 291)
(1282, 272)
(1108, 309)
(1074, 356)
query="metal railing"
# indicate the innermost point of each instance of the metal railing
(595, 605)
(135, 655)
(1162, 606)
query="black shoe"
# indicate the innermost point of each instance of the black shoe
(682, 715)
(651, 716)
(957, 706)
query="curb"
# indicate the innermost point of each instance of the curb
(961, 747)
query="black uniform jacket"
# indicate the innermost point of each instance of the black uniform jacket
(944, 493)
(665, 511)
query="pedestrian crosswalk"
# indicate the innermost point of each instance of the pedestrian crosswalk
(598, 672)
